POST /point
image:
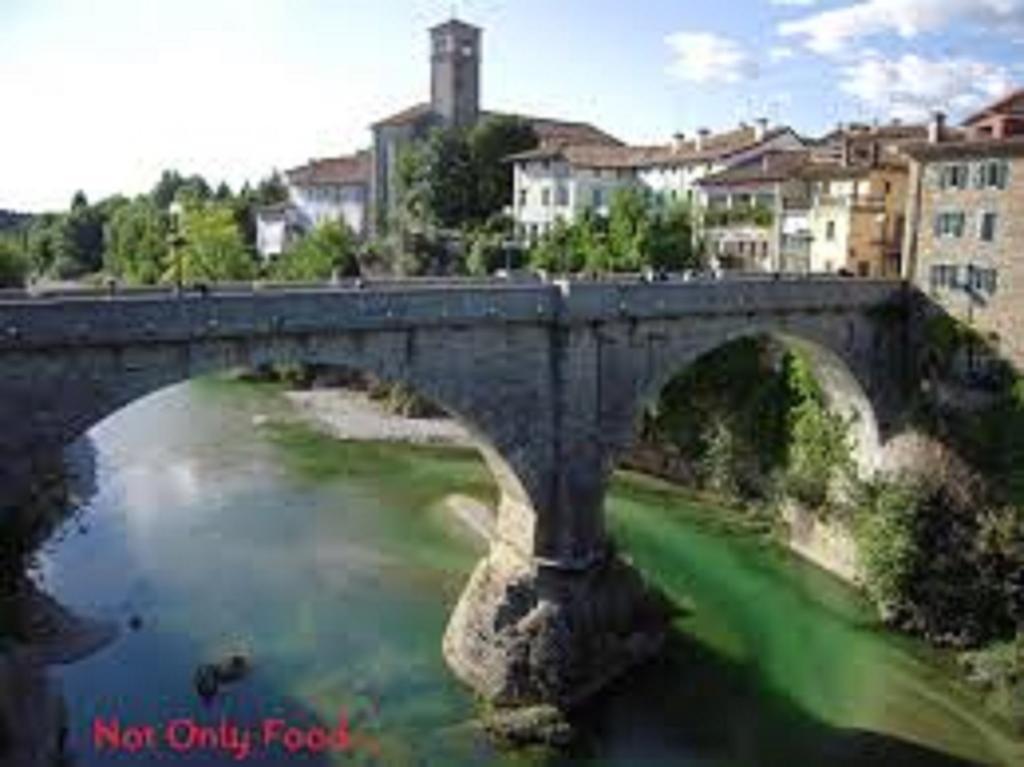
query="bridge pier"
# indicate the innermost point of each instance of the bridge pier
(551, 615)
(525, 632)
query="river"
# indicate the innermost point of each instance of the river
(221, 526)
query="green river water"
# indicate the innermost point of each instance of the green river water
(226, 526)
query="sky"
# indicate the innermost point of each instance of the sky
(101, 95)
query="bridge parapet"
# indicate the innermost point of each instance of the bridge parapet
(90, 319)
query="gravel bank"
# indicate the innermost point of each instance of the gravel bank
(347, 414)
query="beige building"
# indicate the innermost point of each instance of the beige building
(855, 218)
(801, 212)
(965, 237)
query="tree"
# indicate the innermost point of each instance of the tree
(136, 242)
(271, 190)
(327, 249)
(223, 192)
(13, 263)
(79, 240)
(670, 241)
(558, 250)
(213, 248)
(490, 144)
(173, 186)
(629, 224)
(450, 189)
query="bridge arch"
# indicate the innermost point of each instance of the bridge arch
(91, 384)
(845, 394)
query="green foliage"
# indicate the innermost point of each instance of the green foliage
(174, 186)
(458, 179)
(999, 671)
(488, 247)
(327, 250)
(213, 248)
(819, 445)
(557, 251)
(491, 141)
(449, 180)
(753, 421)
(669, 243)
(13, 264)
(629, 220)
(884, 531)
(635, 235)
(136, 243)
(756, 215)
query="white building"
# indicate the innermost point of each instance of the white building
(330, 189)
(560, 182)
(673, 172)
(563, 180)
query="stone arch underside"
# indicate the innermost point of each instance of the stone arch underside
(65, 397)
(856, 364)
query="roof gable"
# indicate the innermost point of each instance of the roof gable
(1012, 104)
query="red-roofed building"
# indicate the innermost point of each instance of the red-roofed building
(327, 189)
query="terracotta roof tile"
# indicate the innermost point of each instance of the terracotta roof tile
(771, 167)
(349, 169)
(590, 155)
(1013, 147)
(714, 146)
(999, 107)
(407, 115)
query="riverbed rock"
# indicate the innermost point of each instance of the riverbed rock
(526, 635)
(543, 725)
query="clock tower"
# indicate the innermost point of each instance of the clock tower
(455, 72)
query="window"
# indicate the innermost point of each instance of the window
(988, 226)
(545, 197)
(597, 198)
(991, 174)
(830, 231)
(949, 225)
(943, 276)
(981, 280)
(953, 176)
(524, 197)
(562, 195)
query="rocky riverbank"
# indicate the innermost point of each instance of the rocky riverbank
(353, 415)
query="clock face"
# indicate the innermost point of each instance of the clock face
(467, 50)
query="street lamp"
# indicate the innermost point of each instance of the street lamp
(175, 240)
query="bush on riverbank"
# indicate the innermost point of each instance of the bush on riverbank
(998, 670)
(941, 549)
(753, 424)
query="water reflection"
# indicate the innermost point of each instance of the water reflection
(215, 531)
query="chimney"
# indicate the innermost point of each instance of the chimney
(760, 128)
(937, 127)
(702, 135)
(678, 140)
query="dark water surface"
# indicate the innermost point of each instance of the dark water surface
(334, 567)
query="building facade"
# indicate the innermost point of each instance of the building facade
(966, 233)
(329, 189)
(563, 179)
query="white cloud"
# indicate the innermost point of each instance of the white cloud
(910, 87)
(831, 31)
(781, 53)
(704, 57)
(795, 3)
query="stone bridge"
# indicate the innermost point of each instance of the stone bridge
(549, 377)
